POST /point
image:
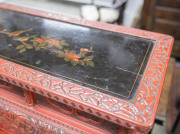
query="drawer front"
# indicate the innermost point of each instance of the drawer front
(169, 3)
(167, 27)
(167, 13)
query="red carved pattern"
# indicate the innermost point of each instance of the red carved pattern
(151, 83)
(5, 85)
(38, 121)
(15, 122)
(104, 101)
(30, 98)
(67, 102)
(78, 113)
(140, 111)
(123, 130)
(60, 88)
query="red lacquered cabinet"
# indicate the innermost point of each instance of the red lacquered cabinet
(64, 75)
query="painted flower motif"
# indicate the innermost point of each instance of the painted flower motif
(73, 57)
(47, 43)
(86, 50)
(39, 40)
(53, 42)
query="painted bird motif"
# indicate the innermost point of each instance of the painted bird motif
(3, 31)
(17, 33)
(22, 39)
(86, 50)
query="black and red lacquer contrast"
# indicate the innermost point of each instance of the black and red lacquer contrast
(111, 74)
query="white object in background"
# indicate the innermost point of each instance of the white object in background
(49, 5)
(81, 1)
(118, 3)
(131, 10)
(106, 3)
(90, 12)
(108, 14)
(2, 0)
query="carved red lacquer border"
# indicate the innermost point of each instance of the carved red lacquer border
(138, 115)
(14, 121)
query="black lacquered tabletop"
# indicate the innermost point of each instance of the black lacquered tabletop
(109, 62)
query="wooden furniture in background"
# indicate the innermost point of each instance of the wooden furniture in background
(168, 112)
(164, 100)
(160, 125)
(163, 16)
(173, 110)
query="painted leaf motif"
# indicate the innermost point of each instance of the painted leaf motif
(42, 44)
(35, 43)
(90, 63)
(82, 62)
(66, 59)
(61, 54)
(60, 47)
(89, 57)
(20, 47)
(73, 63)
(29, 47)
(22, 50)
(55, 51)
(49, 45)
(72, 51)
(43, 37)
(82, 55)
(37, 48)
(66, 50)
(64, 43)
(55, 45)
